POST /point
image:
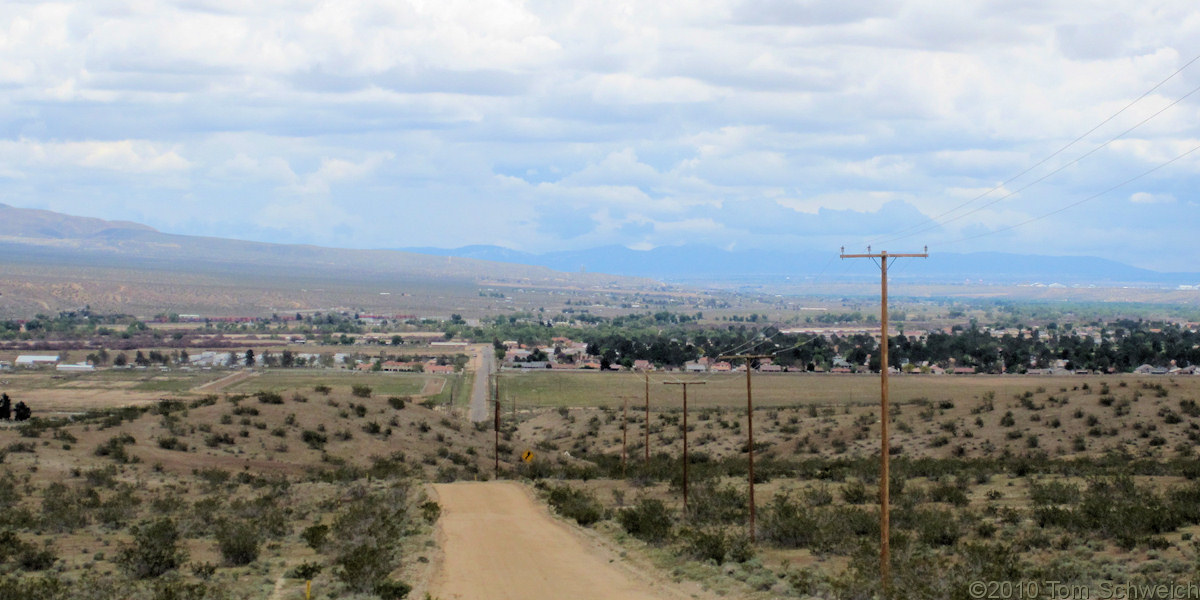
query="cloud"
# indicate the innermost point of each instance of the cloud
(548, 125)
(1146, 198)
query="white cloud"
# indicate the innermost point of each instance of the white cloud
(1147, 198)
(549, 124)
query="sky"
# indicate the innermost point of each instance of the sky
(570, 124)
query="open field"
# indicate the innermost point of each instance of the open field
(594, 389)
(386, 384)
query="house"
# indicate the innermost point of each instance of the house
(30, 361)
(721, 367)
(444, 369)
(694, 367)
(642, 365)
(964, 370)
(770, 368)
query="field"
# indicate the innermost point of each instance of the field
(595, 389)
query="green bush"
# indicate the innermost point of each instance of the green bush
(267, 397)
(361, 391)
(153, 551)
(238, 542)
(315, 440)
(649, 521)
(577, 504)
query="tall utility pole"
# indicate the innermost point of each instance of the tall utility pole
(884, 451)
(624, 434)
(496, 389)
(646, 376)
(685, 447)
(750, 426)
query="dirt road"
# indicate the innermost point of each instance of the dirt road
(501, 544)
(479, 395)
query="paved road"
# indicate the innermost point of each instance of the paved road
(479, 392)
(501, 544)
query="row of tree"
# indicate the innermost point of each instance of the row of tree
(20, 412)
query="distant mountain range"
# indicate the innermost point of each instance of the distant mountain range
(701, 264)
(46, 237)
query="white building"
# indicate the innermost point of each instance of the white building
(36, 360)
(75, 368)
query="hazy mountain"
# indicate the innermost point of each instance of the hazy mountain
(49, 237)
(695, 264)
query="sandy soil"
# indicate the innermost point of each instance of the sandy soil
(499, 543)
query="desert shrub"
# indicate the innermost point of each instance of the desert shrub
(361, 391)
(396, 402)
(267, 397)
(709, 503)
(392, 590)
(153, 551)
(306, 570)
(430, 511)
(364, 538)
(577, 504)
(26, 555)
(66, 508)
(314, 536)
(45, 587)
(172, 443)
(1054, 492)
(119, 508)
(321, 388)
(717, 545)
(315, 440)
(949, 493)
(650, 521)
(238, 542)
(114, 448)
(855, 492)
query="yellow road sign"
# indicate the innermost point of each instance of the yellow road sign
(527, 456)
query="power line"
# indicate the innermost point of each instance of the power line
(934, 220)
(1074, 204)
(934, 224)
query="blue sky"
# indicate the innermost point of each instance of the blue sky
(551, 125)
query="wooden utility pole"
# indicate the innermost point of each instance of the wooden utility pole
(646, 376)
(685, 432)
(750, 427)
(885, 448)
(624, 435)
(496, 389)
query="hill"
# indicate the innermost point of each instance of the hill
(56, 262)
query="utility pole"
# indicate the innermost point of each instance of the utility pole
(624, 435)
(884, 451)
(684, 384)
(749, 426)
(646, 376)
(496, 428)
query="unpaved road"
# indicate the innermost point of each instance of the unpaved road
(499, 543)
(479, 395)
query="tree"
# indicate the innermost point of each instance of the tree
(121, 360)
(21, 412)
(250, 357)
(5, 407)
